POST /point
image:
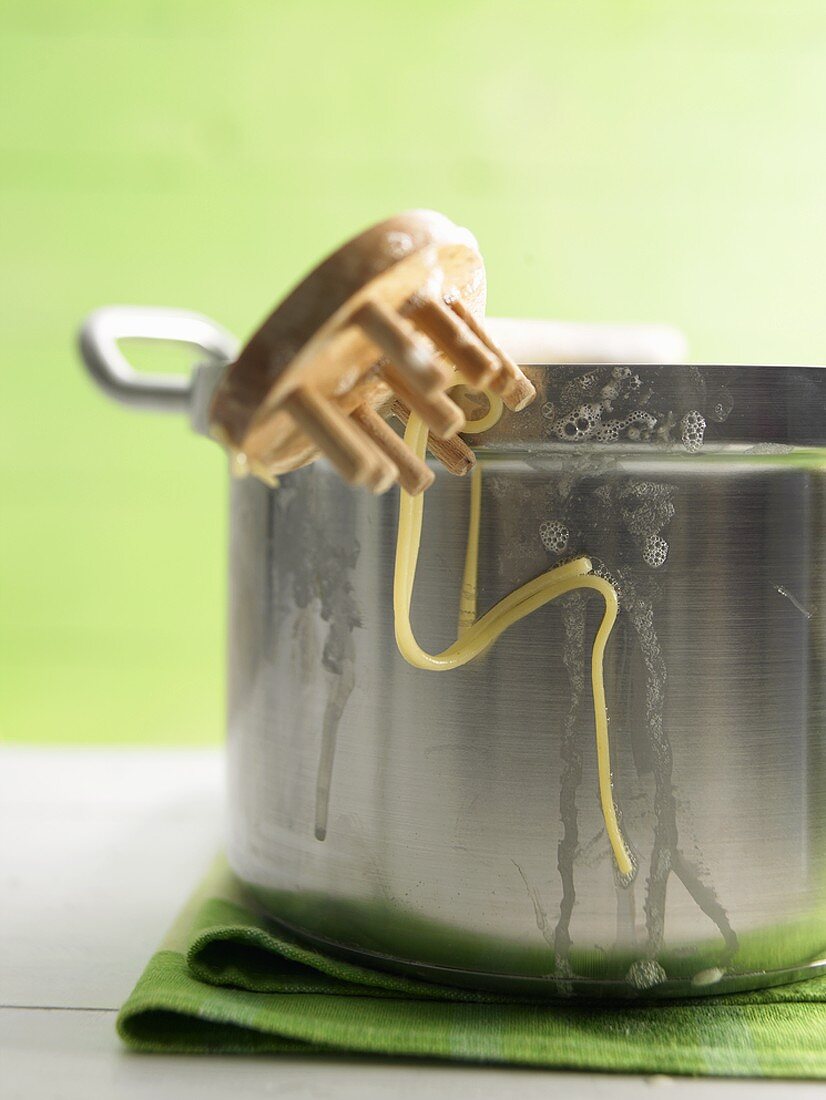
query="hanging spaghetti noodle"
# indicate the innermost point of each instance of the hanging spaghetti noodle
(476, 635)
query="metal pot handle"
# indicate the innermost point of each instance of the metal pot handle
(98, 344)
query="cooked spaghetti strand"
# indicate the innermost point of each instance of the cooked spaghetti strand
(476, 635)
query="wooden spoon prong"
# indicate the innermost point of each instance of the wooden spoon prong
(442, 416)
(413, 474)
(397, 338)
(386, 474)
(454, 454)
(334, 435)
(515, 389)
(455, 340)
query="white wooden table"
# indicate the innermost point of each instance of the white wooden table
(98, 850)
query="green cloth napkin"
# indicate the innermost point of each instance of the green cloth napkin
(226, 980)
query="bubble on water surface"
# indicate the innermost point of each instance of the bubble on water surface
(579, 424)
(654, 550)
(554, 535)
(692, 431)
(609, 433)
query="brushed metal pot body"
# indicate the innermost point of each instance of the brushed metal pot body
(448, 825)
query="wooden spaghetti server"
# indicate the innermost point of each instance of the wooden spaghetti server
(387, 324)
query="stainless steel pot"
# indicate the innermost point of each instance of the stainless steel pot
(448, 826)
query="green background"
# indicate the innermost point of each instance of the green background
(616, 160)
